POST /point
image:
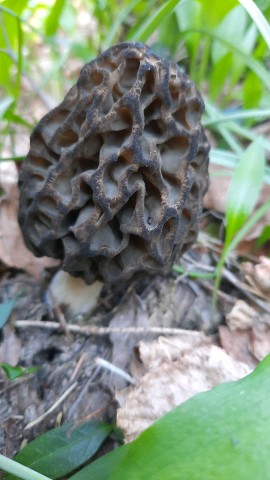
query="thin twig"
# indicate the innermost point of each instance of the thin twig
(112, 368)
(93, 330)
(52, 408)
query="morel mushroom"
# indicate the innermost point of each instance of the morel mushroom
(114, 179)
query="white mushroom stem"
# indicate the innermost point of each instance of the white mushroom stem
(74, 293)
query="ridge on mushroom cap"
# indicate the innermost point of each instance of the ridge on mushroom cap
(115, 175)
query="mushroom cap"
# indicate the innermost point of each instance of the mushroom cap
(114, 178)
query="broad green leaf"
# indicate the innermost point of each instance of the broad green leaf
(244, 188)
(60, 451)
(5, 311)
(52, 21)
(221, 434)
(214, 15)
(15, 372)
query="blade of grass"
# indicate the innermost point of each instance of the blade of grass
(19, 470)
(143, 32)
(52, 20)
(256, 66)
(258, 18)
(241, 115)
(19, 57)
(227, 159)
(241, 234)
(239, 130)
(116, 26)
(244, 188)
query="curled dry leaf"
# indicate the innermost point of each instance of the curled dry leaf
(248, 336)
(173, 381)
(259, 276)
(13, 252)
(242, 316)
(10, 348)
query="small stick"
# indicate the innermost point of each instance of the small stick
(93, 330)
(52, 408)
(112, 368)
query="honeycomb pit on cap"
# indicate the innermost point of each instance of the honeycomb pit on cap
(114, 178)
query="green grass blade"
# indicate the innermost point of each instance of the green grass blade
(19, 58)
(244, 188)
(19, 470)
(255, 65)
(229, 160)
(241, 115)
(5, 103)
(240, 235)
(216, 114)
(258, 18)
(143, 32)
(116, 27)
(52, 21)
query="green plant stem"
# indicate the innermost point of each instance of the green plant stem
(19, 470)
(193, 273)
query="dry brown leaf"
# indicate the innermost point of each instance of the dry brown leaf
(237, 344)
(216, 197)
(241, 317)
(261, 341)
(259, 275)
(153, 354)
(248, 336)
(13, 252)
(170, 383)
(10, 348)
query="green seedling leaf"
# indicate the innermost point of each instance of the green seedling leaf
(5, 310)
(244, 189)
(221, 434)
(16, 372)
(60, 451)
(52, 21)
